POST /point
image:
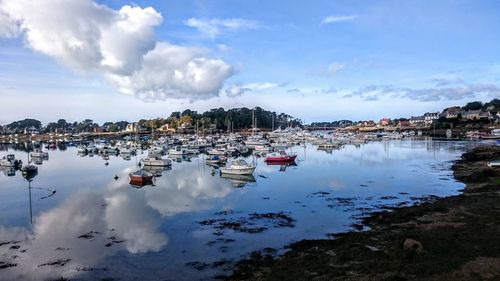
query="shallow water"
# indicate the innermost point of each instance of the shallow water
(192, 224)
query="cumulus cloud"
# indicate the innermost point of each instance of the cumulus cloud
(8, 27)
(119, 44)
(336, 19)
(215, 27)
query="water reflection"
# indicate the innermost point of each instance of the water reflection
(239, 180)
(97, 225)
(83, 230)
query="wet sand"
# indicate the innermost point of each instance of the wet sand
(452, 238)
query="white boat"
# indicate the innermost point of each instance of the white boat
(177, 151)
(156, 161)
(494, 163)
(216, 152)
(216, 159)
(238, 167)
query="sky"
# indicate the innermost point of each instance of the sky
(316, 60)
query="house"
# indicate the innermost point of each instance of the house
(135, 128)
(471, 114)
(31, 131)
(384, 122)
(451, 112)
(429, 117)
(417, 120)
(166, 129)
(404, 123)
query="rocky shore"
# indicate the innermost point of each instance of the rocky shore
(452, 238)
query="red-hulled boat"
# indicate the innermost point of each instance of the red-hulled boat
(141, 178)
(281, 157)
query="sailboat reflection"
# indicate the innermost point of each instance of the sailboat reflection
(238, 180)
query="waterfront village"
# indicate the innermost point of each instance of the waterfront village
(474, 120)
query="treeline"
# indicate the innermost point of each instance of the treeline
(221, 119)
(218, 118)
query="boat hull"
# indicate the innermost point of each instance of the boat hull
(282, 159)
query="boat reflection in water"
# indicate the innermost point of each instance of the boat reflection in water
(157, 171)
(283, 164)
(8, 171)
(239, 180)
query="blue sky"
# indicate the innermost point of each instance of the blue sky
(317, 60)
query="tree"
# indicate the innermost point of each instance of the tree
(475, 105)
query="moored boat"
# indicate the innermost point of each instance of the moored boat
(156, 161)
(280, 157)
(141, 178)
(494, 163)
(238, 167)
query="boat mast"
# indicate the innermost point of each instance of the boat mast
(253, 121)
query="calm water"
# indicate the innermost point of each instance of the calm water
(96, 227)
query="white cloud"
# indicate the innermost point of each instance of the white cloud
(214, 27)
(119, 44)
(335, 67)
(335, 19)
(171, 71)
(239, 89)
(8, 27)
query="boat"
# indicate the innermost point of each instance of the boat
(140, 178)
(10, 161)
(494, 163)
(281, 156)
(216, 159)
(238, 167)
(177, 151)
(156, 160)
(214, 151)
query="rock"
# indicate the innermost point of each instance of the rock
(413, 245)
(330, 253)
(372, 248)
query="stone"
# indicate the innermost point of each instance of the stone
(413, 245)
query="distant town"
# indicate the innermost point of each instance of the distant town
(472, 116)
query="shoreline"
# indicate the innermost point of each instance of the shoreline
(451, 238)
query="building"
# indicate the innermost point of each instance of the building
(451, 112)
(417, 120)
(430, 117)
(166, 129)
(31, 131)
(384, 122)
(471, 114)
(404, 123)
(135, 128)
